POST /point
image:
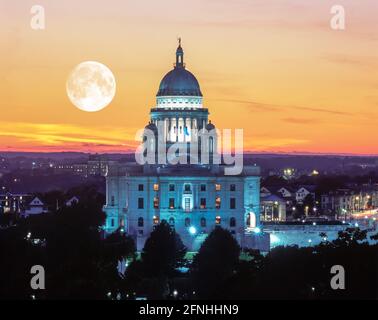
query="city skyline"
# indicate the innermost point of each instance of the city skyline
(278, 71)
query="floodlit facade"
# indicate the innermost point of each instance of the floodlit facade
(193, 197)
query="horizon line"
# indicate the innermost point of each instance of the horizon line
(248, 152)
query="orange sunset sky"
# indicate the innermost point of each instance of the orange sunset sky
(272, 67)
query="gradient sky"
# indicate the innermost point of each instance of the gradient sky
(272, 67)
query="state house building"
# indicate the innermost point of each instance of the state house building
(193, 198)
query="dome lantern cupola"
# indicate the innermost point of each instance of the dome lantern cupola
(179, 88)
(179, 114)
(179, 56)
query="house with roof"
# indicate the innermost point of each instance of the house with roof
(303, 191)
(72, 201)
(265, 191)
(35, 207)
(286, 192)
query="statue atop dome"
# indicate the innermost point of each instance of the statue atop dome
(179, 56)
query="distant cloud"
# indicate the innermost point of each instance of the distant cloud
(358, 61)
(279, 108)
(301, 120)
(66, 137)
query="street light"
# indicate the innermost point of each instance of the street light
(257, 230)
(192, 230)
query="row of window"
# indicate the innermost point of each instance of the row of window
(171, 203)
(188, 187)
(171, 221)
(250, 221)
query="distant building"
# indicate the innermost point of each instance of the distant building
(265, 191)
(303, 191)
(343, 202)
(273, 209)
(98, 165)
(72, 201)
(13, 202)
(80, 169)
(192, 198)
(35, 207)
(338, 202)
(63, 168)
(286, 193)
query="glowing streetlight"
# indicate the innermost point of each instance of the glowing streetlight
(257, 230)
(192, 230)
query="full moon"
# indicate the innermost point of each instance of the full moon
(91, 86)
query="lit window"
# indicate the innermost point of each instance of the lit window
(217, 202)
(156, 187)
(156, 220)
(156, 203)
(203, 203)
(187, 204)
(218, 220)
(218, 187)
(171, 203)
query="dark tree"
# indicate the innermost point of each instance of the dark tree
(163, 251)
(215, 263)
(78, 262)
(152, 275)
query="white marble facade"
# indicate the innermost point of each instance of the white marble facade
(192, 203)
(193, 198)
